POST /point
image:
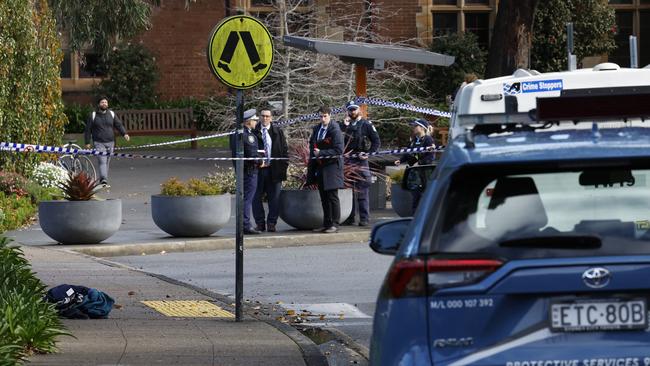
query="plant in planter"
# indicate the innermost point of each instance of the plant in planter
(400, 199)
(198, 207)
(80, 218)
(300, 204)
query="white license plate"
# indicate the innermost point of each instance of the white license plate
(596, 315)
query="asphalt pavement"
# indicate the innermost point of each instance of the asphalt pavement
(334, 286)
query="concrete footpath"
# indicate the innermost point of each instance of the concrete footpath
(200, 330)
(137, 331)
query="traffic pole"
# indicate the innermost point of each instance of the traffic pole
(239, 201)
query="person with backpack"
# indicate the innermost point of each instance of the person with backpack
(99, 130)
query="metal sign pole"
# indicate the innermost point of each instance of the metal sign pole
(240, 71)
(239, 235)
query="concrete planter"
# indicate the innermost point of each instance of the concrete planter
(401, 200)
(80, 222)
(190, 216)
(302, 208)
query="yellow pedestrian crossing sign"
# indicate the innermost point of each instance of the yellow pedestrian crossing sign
(240, 51)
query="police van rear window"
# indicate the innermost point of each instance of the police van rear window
(547, 212)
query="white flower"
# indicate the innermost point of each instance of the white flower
(49, 175)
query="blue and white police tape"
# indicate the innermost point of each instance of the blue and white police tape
(44, 149)
(308, 117)
(404, 106)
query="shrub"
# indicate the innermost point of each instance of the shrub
(594, 32)
(194, 187)
(470, 58)
(13, 183)
(29, 324)
(31, 110)
(224, 177)
(18, 211)
(49, 175)
(397, 176)
(77, 115)
(132, 77)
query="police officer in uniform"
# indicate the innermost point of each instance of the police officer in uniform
(252, 145)
(421, 138)
(361, 138)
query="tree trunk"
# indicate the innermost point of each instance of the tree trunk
(511, 37)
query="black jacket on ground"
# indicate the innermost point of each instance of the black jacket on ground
(279, 149)
(330, 169)
(100, 128)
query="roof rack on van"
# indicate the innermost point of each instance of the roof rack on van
(604, 92)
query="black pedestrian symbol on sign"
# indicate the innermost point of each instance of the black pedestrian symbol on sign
(231, 46)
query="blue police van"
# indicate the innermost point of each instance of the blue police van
(531, 244)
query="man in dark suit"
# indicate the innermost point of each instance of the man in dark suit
(327, 140)
(271, 173)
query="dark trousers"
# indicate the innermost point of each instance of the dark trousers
(266, 185)
(416, 195)
(361, 191)
(331, 206)
(250, 186)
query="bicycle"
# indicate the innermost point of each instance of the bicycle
(77, 163)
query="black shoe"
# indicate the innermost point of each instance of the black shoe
(260, 227)
(271, 228)
(251, 231)
(363, 223)
(331, 229)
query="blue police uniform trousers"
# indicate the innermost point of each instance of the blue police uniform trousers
(250, 186)
(265, 184)
(361, 191)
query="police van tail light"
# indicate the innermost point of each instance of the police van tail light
(411, 277)
(456, 272)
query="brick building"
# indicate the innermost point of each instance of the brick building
(178, 36)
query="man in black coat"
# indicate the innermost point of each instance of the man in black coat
(271, 173)
(327, 140)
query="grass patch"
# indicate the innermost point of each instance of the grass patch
(213, 143)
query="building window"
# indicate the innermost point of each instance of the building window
(644, 38)
(616, 2)
(91, 67)
(477, 2)
(444, 23)
(479, 24)
(444, 2)
(66, 66)
(624, 27)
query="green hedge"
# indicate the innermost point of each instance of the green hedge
(30, 93)
(29, 324)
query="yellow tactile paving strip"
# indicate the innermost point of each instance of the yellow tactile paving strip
(189, 309)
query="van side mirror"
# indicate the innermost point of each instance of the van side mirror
(416, 177)
(387, 236)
